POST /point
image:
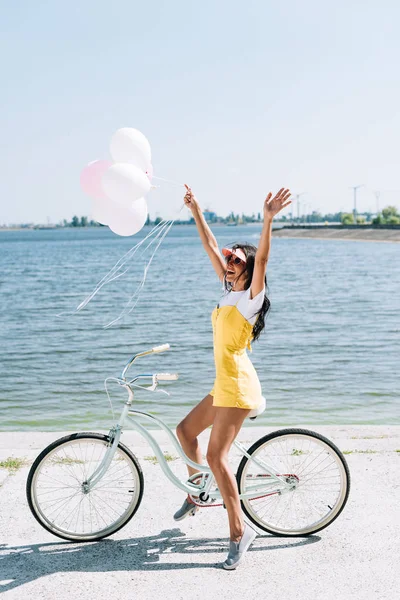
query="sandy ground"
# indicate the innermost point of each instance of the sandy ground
(154, 557)
(367, 234)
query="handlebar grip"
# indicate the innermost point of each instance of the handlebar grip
(162, 348)
(167, 376)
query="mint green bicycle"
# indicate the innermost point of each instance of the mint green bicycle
(86, 486)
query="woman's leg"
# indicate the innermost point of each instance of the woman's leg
(227, 424)
(199, 418)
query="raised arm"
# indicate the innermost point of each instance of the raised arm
(206, 235)
(271, 208)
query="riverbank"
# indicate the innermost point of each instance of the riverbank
(361, 234)
(163, 558)
(321, 232)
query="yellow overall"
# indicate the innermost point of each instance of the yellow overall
(236, 383)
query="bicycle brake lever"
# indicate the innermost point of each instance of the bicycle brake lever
(162, 392)
(154, 385)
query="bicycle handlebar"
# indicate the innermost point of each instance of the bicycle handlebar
(166, 376)
(162, 348)
(154, 350)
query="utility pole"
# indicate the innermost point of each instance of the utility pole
(297, 196)
(355, 188)
(377, 194)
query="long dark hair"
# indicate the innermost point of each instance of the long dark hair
(250, 252)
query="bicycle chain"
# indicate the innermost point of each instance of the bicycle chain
(211, 504)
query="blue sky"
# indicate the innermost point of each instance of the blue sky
(236, 98)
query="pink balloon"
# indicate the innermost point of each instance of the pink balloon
(150, 172)
(91, 178)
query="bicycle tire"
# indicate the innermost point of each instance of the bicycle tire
(334, 511)
(39, 463)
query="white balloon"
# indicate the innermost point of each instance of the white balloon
(129, 145)
(103, 209)
(129, 221)
(121, 220)
(124, 183)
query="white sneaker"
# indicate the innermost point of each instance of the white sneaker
(187, 508)
(238, 549)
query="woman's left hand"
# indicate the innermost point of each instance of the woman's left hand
(274, 205)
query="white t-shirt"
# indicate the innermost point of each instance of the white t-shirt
(246, 306)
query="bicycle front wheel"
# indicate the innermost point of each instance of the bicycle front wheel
(314, 468)
(57, 496)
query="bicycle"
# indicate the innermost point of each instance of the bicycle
(86, 486)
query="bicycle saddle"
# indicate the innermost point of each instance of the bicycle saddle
(253, 414)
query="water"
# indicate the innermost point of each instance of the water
(329, 355)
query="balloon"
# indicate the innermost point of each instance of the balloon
(124, 183)
(150, 172)
(121, 220)
(131, 146)
(103, 210)
(129, 221)
(91, 178)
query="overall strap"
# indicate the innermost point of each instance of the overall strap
(238, 300)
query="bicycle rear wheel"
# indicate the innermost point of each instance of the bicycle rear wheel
(58, 499)
(317, 472)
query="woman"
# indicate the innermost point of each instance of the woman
(238, 319)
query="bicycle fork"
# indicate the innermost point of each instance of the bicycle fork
(114, 435)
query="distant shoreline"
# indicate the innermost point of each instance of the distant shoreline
(317, 232)
(355, 234)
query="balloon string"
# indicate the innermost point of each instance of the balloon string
(129, 306)
(162, 233)
(120, 263)
(176, 183)
(165, 224)
(120, 268)
(113, 273)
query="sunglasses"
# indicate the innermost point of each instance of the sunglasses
(235, 259)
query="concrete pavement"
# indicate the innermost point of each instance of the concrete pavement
(154, 557)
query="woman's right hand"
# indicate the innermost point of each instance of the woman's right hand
(190, 199)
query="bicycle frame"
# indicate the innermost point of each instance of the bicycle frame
(205, 472)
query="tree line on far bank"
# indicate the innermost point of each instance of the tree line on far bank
(85, 222)
(388, 216)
